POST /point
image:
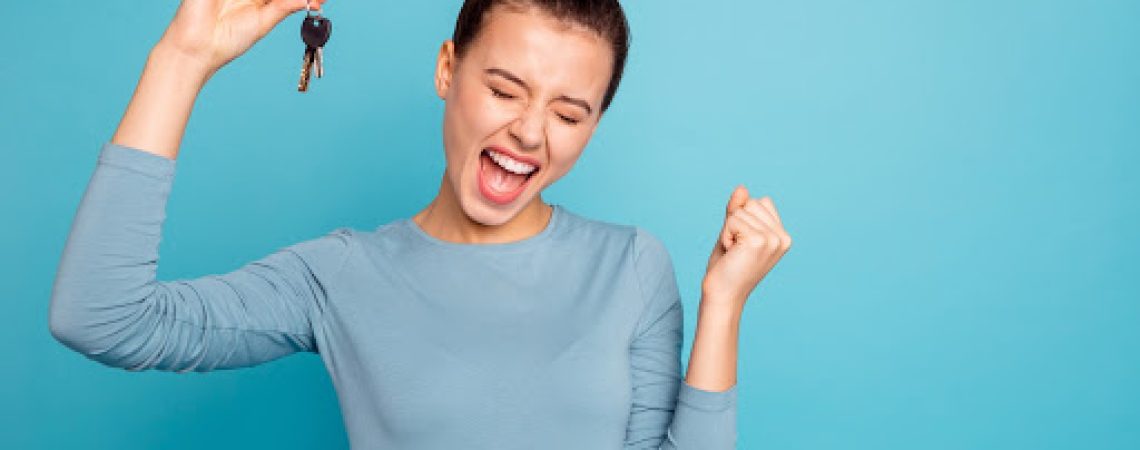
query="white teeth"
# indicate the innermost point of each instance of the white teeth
(510, 164)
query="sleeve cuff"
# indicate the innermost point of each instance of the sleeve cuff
(140, 161)
(707, 400)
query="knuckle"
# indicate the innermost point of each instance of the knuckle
(771, 241)
(754, 206)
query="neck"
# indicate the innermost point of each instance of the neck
(445, 219)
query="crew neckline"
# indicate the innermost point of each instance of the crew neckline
(556, 217)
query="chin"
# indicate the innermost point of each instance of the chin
(479, 211)
(482, 214)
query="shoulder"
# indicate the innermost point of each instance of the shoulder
(656, 283)
(580, 226)
(387, 238)
(653, 264)
(648, 249)
(325, 253)
(335, 240)
(643, 247)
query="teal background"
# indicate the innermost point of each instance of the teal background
(958, 177)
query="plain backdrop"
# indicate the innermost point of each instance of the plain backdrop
(959, 178)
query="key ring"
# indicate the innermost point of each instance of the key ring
(309, 11)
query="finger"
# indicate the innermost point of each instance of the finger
(274, 11)
(736, 229)
(771, 239)
(761, 214)
(737, 200)
(757, 225)
(766, 202)
(728, 233)
(785, 238)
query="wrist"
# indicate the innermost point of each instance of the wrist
(157, 114)
(724, 316)
(712, 362)
(721, 304)
(187, 69)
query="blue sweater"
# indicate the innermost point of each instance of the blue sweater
(568, 339)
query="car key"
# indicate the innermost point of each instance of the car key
(315, 32)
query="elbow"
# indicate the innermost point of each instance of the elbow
(57, 329)
(66, 312)
(107, 317)
(64, 326)
(114, 336)
(75, 322)
(68, 337)
(83, 335)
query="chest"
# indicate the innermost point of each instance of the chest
(545, 349)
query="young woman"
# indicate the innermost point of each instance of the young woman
(489, 319)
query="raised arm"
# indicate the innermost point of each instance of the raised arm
(667, 412)
(107, 304)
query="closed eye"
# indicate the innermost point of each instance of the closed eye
(568, 120)
(500, 94)
(504, 95)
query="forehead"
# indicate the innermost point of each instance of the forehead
(542, 49)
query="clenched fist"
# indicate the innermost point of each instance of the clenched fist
(751, 242)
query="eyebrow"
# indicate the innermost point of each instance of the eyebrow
(510, 76)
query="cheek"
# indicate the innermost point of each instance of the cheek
(464, 125)
(471, 119)
(568, 142)
(481, 115)
(564, 153)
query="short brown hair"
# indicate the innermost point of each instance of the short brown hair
(604, 17)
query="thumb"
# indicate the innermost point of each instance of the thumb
(738, 200)
(274, 11)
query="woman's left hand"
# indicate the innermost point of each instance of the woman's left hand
(751, 242)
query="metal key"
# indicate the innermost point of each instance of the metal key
(306, 70)
(315, 31)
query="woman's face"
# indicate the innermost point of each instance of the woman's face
(528, 86)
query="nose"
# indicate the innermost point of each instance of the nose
(528, 128)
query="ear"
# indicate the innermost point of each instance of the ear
(444, 68)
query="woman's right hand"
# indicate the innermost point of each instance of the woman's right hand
(214, 32)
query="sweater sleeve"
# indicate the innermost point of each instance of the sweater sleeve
(668, 413)
(107, 304)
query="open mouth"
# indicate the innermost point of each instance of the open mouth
(500, 179)
(514, 170)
